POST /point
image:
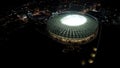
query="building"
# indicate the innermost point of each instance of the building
(73, 27)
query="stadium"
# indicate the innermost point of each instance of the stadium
(78, 33)
(72, 27)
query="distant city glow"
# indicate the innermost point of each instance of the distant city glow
(73, 20)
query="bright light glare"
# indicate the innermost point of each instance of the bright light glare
(73, 20)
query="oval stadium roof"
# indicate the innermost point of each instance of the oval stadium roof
(56, 25)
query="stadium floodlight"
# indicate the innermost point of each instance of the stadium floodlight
(74, 20)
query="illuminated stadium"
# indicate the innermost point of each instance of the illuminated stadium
(66, 33)
(71, 27)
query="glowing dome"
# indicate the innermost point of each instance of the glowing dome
(72, 27)
(73, 20)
